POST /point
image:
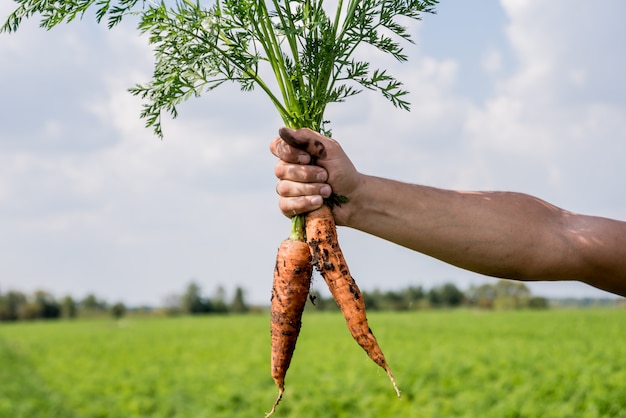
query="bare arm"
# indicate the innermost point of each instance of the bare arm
(501, 234)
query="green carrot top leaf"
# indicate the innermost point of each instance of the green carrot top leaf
(309, 53)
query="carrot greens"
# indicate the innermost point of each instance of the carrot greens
(301, 56)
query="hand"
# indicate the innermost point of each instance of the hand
(303, 186)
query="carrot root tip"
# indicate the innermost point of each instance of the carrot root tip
(280, 396)
(393, 381)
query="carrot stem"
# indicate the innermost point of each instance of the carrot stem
(297, 228)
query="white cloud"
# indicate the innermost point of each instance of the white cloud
(492, 61)
(546, 112)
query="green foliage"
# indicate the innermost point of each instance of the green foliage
(92, 303)
(16, 305)
(446, 295)
(56, 12)
(10, 303)
(502, 295)
(239, 304)
(310, 53)
(557, 363)
(118, 310)
(192, 301)
(69, 308)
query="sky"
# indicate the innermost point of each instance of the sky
(520, 95)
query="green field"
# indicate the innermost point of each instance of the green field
(554, 363)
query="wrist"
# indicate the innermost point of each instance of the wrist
(348, 214)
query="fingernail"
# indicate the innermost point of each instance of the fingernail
(304, 159)
(325, 190)
(321, 176)
(317, 200)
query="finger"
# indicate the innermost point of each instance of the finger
(287, 153)
(291, 206)
(300, 173)
(286, 188)
(306, 139)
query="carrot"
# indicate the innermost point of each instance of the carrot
(328, 259)
(292, 280)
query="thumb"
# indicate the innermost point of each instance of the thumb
(306, 140)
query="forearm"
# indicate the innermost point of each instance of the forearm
(500, 234)
(464, 229)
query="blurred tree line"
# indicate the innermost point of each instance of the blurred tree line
(504, 294)
(16, 305)
(193, 302)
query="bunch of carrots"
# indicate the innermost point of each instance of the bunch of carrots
(313, 243)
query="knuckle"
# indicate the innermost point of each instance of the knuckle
(305, 173)
(288, 206)
(274, 147)
(280, 170)
(281, 188)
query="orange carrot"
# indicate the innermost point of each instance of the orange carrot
(292, 280)
(328, 259)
